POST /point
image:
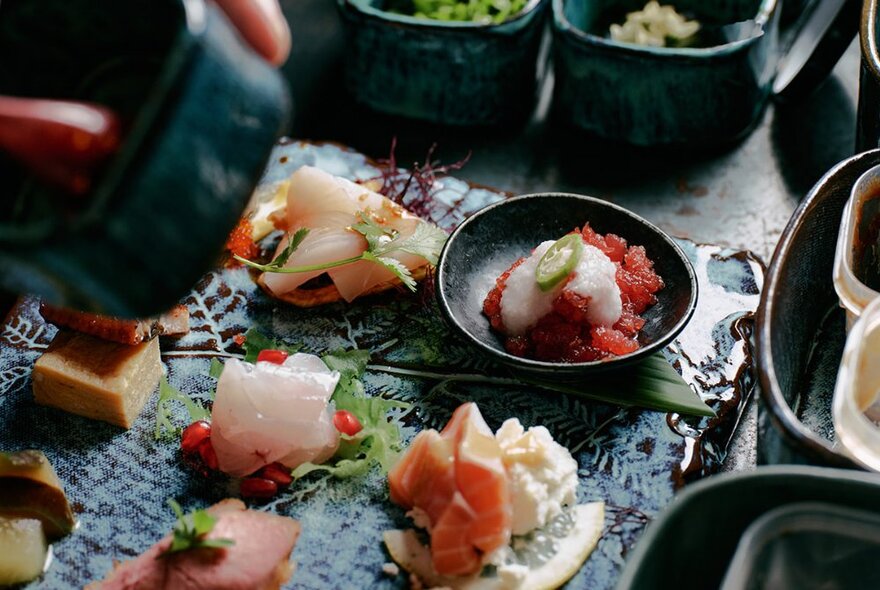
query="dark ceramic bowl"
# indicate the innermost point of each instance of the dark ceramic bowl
(711, 95)
(453, 73)
(802, 329)
(487, 243)
(201, 113)
(691, 543)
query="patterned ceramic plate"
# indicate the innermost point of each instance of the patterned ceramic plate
(633, 459)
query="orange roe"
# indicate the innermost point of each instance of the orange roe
(240, 241)
(565, 335)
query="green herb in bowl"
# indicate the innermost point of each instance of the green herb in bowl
(476, 11)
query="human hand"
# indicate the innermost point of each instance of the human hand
(64, 142)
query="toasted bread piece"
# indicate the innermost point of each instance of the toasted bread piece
(329, 294)
(97, 378)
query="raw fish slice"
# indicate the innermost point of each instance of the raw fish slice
(267, 413)
(258, 559)
(481, 478)
(425, 475)
(451, 552)
(319, 247)
(457, 477)
(407, 471)
(434, 487)
(358, 278)
(320, 453)
(314, 195)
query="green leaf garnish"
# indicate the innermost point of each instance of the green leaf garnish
(292, 244)
(216, 368)
(651, 384)
(426, 242)
(255, 342)
(380, 441)
(190, 530)
(165, 428)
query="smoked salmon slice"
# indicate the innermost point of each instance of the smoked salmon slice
(457, 477)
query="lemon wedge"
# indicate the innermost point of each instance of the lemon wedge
(267, 199)
(572, 537)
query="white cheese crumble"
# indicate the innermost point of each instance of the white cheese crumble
(542, 475)
(596, 277)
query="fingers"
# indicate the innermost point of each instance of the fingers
(61, 142)
(262, 24)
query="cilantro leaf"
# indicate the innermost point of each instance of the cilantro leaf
(255, 342)
(164, 426)
(190, 530)
(351, 364)
(395, 266)
(293, 242)
(375, 234)
(427, 241)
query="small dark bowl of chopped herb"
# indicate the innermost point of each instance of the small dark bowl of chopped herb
(463, 63)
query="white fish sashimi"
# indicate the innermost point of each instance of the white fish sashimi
(320, 246)
(266, 412)
(329, 206)
(356, 279)
(315, 198)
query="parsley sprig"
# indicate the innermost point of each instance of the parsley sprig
(190, 530)
(426, 241)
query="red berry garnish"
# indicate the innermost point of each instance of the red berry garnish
(258, 487)
(346, 422)
(276, 472)
(193, 435)
(272, 356)
(208, 454)
(239, 339)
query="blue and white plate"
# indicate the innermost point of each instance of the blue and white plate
(634, 460)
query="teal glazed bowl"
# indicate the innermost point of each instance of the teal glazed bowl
(692, 542)
(201, 111)
(450, 73)
(652, 96)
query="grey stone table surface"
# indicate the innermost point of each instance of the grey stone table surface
(740, 196)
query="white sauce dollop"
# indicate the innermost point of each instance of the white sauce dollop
(522, 301)
(595, 276)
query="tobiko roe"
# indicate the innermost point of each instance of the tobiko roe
(593, 313)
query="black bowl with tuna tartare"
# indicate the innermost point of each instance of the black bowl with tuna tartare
(563, 285)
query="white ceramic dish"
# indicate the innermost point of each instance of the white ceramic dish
(856, 408)
(854, 294)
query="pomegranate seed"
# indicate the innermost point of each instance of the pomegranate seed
(208, 454)
(346, 422)
(193, 435)
(272, 356)
(257, 487)
(278, 473)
